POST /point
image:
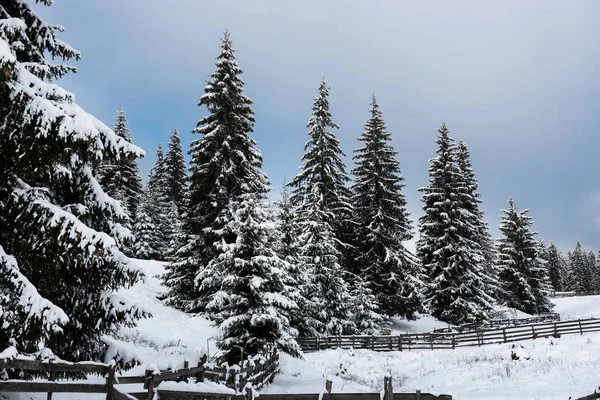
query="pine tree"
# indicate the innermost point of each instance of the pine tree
(365, 310)
(591, 262)
(448, 245)
(328, 292)
(160, 205)
(581, 278)
(121, 179)
(523, 275)
(324, 172)
(288, 228)
(251, 306)
(382, 223)
(59, 260)
(176, 171)
(225, 164)
(555, 264)
(480, 234)
(144, 231)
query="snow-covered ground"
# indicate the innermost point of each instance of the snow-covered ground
(546, 368)
(577, 307)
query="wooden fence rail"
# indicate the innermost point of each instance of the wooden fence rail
(388, 394)
(450, 340)
(50, 387)
(505, 322)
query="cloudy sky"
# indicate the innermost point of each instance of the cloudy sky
(519, 81)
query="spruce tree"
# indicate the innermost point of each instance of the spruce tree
(479, 231)
(160, 205)
(324, 172)
(555, 265)
(448, 245)
(225, 164)
(176, 171)
(252, 306)
(328, 293)
(121, 178)
(523, 276)
(382, 223)
(59, 260)
(144, 231)
(581, 278)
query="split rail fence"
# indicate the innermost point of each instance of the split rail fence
(500, 323)
(450, 340)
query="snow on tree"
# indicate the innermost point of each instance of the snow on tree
(160, 206)
(324, 171)
(327, 292)
(382, 223)
(581, 271)
(481, 233)
(176, 171)
(252, 306)
(144, 231)
(121, 178)
(555, 263)
(59, 262)
(288, 228)
(523, 275)
(448, 245)
(365, 310)
(225, 164)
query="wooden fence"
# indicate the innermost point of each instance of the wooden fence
(53, 386)
(388, 394)
(500, 323)
(451, 340)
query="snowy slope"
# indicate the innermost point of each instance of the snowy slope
(577, 307)
(167, 338)
(548, 369)
(556, 368)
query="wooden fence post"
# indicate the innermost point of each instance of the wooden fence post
(388, 390)
(149, 383)
(580, 328)
(200, 375)
(453, 341)
(328, 385)
(51, 378)
(533, 331)
(555, 330)
(186, 365)
(504, 334)
(110, 381)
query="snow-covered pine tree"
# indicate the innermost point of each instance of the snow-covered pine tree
(176, 171)
(252, 306)
(581, 276)
(160, 205)
(288, 227)
(522, 274)
(448, 244)
(555, 265)
(591, 261)
(144, 231)
(59, 260)
(225, 164)
(121, 178)
(382, 223)
(488, 269)
(365, 310)
(324, 171)
(328, 292)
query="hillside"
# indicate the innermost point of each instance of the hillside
(547, 369)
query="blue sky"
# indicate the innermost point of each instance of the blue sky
(517, 80)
